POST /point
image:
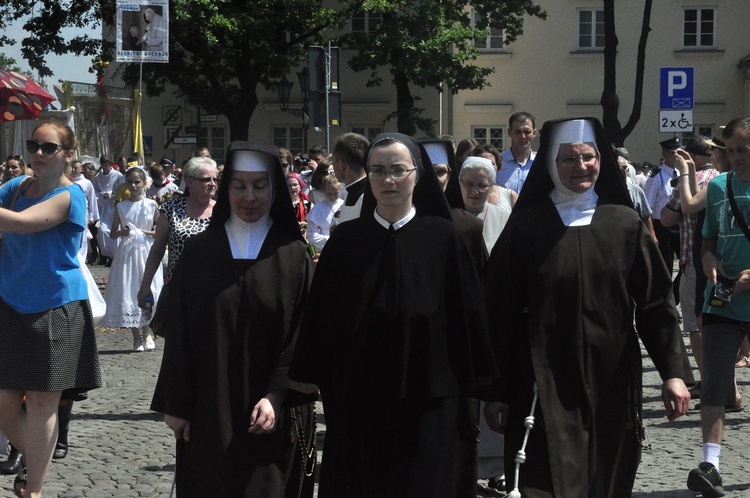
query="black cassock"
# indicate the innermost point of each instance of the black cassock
(564, 299)
(231, 335)
(395, 335)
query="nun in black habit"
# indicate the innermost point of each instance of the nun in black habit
(243, 428)
(409, 340)
(570, 269)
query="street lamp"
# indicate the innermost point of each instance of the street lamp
(284, 89)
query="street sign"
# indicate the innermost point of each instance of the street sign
(676, 89)
(191, 129)
(208, 118)
(171, 115)
(185, 140)
(676, 121)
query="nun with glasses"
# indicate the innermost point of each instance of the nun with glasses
(571, 268)
(243, 427)
(409, 341)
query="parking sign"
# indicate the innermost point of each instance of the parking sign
(676, 88)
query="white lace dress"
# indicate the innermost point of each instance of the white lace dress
(128, 265)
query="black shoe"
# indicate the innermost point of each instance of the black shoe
(497, 483)
(695, 391)
(13, 464)
(705, 480)
(61, 451)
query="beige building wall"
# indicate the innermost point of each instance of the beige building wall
(543, 72)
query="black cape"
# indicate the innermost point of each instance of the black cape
(231, 334)
(561, 302)
(409, 340)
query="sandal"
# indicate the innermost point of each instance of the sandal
(19, 483)
(743, 361)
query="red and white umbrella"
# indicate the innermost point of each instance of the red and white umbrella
(21, 97)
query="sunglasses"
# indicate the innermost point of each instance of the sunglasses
(48, 148)
(13, 158)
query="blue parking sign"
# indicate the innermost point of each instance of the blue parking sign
(676, 88)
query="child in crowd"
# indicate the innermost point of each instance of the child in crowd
(134, 222)
(323, 215)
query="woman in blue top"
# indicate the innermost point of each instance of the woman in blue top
(47, 342)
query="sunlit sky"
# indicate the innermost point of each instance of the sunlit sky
(64, 67)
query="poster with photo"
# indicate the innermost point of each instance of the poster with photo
(142, 31)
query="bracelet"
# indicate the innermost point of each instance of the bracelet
(684, 174)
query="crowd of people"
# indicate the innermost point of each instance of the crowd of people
(488, 306)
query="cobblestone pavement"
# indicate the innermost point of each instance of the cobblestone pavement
(119, 448)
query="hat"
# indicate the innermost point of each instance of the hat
(673, 143)
(622, 152)
(697, 145)
(166, 162)
(716, 142)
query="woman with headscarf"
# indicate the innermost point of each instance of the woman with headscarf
(571, 267)
(243, 428)
(409, 339)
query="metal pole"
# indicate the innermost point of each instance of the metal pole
(328, 91)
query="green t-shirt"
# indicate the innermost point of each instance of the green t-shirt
(732, 247)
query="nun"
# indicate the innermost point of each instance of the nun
(572, 267)
(409, 342)
(243, 428)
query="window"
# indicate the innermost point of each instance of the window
(699, 28)
(489, 135)
(290, 137)
(368, 131)
(494, 39)
(591, 29)
(366, 22)
(215, 138)
(702, 130)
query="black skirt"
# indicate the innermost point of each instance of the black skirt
(54, 350)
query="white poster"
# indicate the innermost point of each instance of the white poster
(142, 31)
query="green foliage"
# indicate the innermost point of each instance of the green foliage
(47, 19)
(430, 43)
(8, 63)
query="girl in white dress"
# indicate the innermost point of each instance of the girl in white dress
(134, 224)
(322, 216)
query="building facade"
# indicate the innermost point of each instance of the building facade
(554, 70)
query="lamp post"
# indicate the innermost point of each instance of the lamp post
(284, 89)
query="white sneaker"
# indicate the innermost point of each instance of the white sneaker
(150, 343)
(138, 347)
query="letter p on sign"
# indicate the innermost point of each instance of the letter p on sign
(676, 88)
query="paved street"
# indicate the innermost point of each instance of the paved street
(121, 449)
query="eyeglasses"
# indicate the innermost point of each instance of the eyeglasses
(13, 158)
(442, 172)
(479, 187)
(48, 148)
(206, 179)
(397, 174)
(570, 161)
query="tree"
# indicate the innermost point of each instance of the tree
(45, 20)
(8, 63)
(221, 52)
(430, 43)
(610, 101)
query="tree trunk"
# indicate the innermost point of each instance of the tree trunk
(610, 101)
(404, 106)
(241, 111)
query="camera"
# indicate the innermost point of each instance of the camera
(301, 163)
(722, 291)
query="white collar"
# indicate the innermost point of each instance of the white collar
(246, 239)
(400, 223)
(575, 209)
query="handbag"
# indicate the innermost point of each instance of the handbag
(159, 319)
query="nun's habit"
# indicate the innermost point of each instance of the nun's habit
(235, 306)
(407, 343)
(562, 284)
(441, 152)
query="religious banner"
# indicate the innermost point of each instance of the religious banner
(142, 31)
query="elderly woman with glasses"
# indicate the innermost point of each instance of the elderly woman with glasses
(243, 428)
(409, 337)
(181, 219)
(573, 267)
(476, 178)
